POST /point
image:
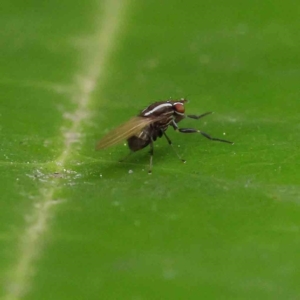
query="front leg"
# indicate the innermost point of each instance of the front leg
(196, 117)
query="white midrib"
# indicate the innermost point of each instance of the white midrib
(19, 279)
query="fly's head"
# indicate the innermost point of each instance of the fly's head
(179, 109)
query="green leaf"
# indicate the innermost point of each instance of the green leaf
(76, 224)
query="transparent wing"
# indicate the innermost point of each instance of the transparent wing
(124, 131)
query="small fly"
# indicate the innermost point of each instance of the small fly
(152, 123)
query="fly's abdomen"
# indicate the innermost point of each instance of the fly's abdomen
(140, 141)
(148, 134)
(136, 143)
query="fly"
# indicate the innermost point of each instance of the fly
(152, 123)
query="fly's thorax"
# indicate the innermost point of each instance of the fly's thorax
(163, 114)
(164, 123)
(165, 108)
(158, 109)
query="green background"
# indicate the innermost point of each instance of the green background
(76, 224)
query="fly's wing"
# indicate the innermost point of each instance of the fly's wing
(124, 131)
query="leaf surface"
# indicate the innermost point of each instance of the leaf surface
(76, 224)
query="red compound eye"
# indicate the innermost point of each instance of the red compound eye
(179, 108)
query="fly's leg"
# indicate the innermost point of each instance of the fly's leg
(192, 130)
(126, 157)
(200, 116)
(170, 143)
(151, 157)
